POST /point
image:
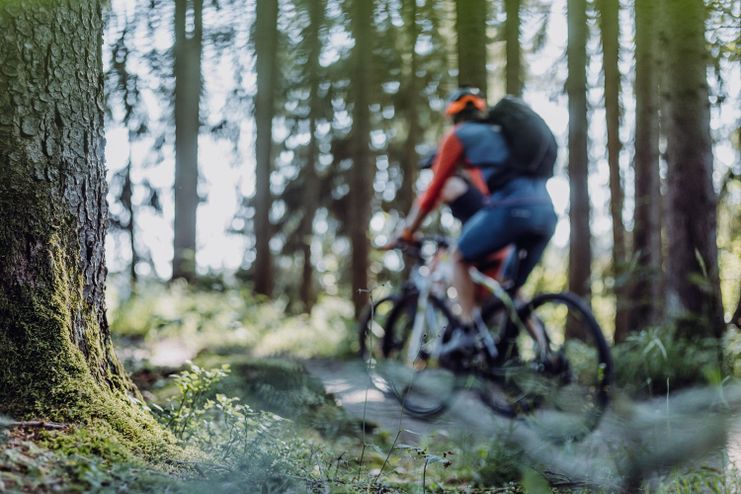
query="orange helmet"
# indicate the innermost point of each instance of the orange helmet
(460, 98)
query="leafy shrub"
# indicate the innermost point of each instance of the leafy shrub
(242, 445)
(657, 360)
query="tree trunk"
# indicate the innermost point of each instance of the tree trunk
(646, 296)
(409, 163)
(266, 47)
(57, 360)
(311, 180)
(361, 174)
(128, 202)
(514, 50)
(693, 280)
(610, 33)
(187, 123)
(470, 26)
(580, 252)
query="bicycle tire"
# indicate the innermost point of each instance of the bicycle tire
(563, 388)
(422, 387)
(372, 326)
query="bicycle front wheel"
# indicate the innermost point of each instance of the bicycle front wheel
(555, 367)
(411, 368)
(372, 328)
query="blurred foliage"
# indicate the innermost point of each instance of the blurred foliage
(201, 318)
(656, 360)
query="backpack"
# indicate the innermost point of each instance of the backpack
(532, 146)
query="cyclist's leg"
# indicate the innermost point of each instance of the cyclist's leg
(463, 199)
(487, 231)
(534, 237)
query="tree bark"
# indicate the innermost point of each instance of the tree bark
(580, 252)
(361, 174)
(470, 26)
(409, 163)
(610, 33)
(514, 81)
(128, 202)
(646, 296)
(311, 180)
(266, 47)
(693, 280)
(187, 123)
(56, 357)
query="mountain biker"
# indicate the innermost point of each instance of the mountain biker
(518, 209)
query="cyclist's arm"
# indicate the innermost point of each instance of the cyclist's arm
(449, 155)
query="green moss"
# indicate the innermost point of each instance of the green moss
(46, 374)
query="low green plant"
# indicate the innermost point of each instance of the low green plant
(657, 360)
(238, 442)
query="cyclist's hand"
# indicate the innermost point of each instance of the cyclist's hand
(406, 237)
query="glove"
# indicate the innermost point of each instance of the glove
(405, 237)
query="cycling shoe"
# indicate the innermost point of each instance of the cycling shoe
(461, 346)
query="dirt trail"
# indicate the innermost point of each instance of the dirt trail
(350, 384)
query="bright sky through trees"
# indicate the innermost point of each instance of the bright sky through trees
(226, 177)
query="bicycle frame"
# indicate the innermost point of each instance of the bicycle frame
(510, 306)
(423, 314)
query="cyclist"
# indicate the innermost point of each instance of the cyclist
(518, 209)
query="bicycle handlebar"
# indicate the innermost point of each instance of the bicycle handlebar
(414, 249)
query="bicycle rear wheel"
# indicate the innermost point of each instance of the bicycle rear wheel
(555, 368)
(411, 369)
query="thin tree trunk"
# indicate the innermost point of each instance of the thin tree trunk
(187, 123)
(409, 162)
(58, 362)
(266, 47)
(361, 174)
(514, 50)
(127, 199)
(580, 252)
(646, 296)
(610, 33)
(311, 180)
(693, 280)
(470, 26)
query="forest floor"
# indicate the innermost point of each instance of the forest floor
(288, 393)
(641, 438)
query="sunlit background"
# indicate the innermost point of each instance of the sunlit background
(226, 145)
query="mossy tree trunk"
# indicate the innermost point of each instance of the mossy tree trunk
(56, 357)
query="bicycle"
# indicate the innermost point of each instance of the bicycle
(547, 354)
